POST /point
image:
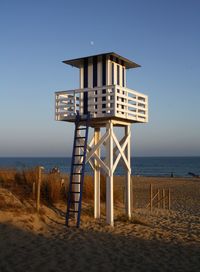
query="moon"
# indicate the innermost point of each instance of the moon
(92, 42)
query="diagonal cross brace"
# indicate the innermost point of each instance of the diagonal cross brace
(121, 152)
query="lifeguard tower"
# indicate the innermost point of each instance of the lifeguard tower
(101, 103)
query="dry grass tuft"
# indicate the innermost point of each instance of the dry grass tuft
(54, 187)
(7, 175)
(21, 183)
(88, 188)
(134, 220)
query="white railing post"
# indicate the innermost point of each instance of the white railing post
(56, 107)
(146, 109)
(74, 103)
(115, 101)
(136, 107)
(127, 102)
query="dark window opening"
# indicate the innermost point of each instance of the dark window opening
(85, 85)
(123, 77)
(117, 74)
(85, 76)
(112, 73)
(104, 70)
(95, 71)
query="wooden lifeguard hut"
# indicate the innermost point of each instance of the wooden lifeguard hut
(101, 103)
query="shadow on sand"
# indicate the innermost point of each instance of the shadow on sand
(83, 250)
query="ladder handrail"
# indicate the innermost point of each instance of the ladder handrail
(83, 171)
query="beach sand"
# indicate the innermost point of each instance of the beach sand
(157, 240)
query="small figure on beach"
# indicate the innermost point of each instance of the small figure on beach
(54, 170)
(172, 174)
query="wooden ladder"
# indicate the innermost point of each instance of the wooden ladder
(74, 201)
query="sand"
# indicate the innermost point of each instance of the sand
(157, 240)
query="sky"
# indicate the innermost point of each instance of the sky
(162, 36)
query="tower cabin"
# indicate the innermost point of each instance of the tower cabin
(102, 94)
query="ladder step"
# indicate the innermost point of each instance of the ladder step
(74, 201)
(80, 137)
(76, 174)
(77, 163)
(79, 146)
(73, 211)
(79, 155)
(74, 182)
(72, 192)
(81, 128)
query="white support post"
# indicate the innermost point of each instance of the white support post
(97, 176)
(109, 178)
(128, 172)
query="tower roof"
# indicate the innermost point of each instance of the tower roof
(79, 61)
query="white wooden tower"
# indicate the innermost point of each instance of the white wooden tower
(104, 94)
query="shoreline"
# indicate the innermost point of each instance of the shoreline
(167, 176)
(141, 166)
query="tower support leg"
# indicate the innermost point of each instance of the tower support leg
(109, 178)
(97, 176)
(121, 151)
(128, 172)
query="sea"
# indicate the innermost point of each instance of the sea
(141, 166)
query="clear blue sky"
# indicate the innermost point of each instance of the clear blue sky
(162, 36)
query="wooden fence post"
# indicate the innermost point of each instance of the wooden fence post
(158, 198)
(39, 179)
(163, 195)
(169, 199)
(151, 197)
(33, 190)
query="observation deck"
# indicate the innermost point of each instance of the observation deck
(106, 102)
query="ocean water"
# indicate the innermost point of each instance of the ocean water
(142, 166)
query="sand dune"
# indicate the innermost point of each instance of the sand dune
(160, 240)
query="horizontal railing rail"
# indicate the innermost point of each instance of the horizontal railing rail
(106, 101)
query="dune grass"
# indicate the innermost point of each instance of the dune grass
(54, 186)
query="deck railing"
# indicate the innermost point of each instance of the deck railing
(102, 102)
